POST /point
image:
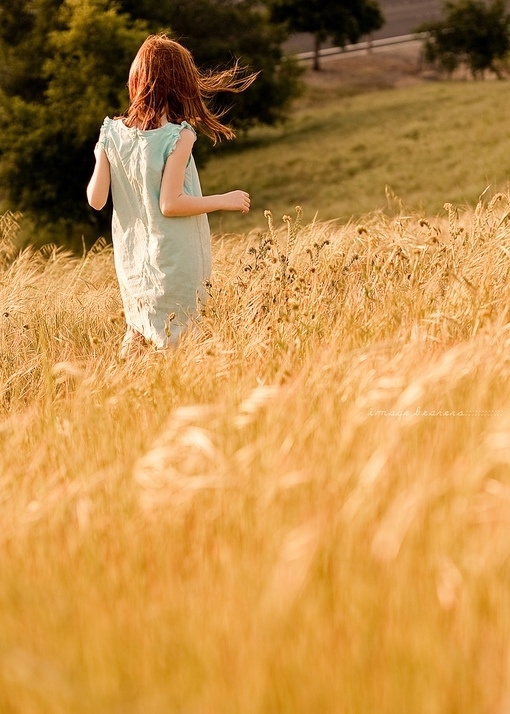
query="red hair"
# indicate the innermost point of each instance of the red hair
(164, 81)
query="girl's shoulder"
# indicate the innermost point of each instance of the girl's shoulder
(168, 130)
(171, 133)
(115, 123)
(184, 125)
(106, 126)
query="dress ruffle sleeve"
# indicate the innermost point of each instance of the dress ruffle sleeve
(176, 135)
(103, 138)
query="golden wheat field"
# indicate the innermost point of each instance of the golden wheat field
(305, 508)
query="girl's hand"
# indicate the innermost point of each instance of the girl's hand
(237, 201)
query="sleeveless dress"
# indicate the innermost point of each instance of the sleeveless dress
(161, 262)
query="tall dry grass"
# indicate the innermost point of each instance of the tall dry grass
(304, 508)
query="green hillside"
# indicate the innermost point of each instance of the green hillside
(431, 143)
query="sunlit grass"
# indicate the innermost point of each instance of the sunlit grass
(303, 509)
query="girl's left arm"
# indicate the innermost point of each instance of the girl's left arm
(99, 184)
(173, 201)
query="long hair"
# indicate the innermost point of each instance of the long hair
(164, 80)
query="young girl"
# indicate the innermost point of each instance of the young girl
(160, 231)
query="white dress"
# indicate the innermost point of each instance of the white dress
(161, 262)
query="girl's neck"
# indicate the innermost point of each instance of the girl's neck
(162, 121)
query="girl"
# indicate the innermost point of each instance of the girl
(160, 231)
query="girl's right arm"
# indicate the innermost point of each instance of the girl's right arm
(99, 185)
(174, 202)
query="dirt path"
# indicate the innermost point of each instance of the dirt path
(395, 66)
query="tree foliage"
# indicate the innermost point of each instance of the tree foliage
(24, 29)
(66, 68)
(471, 32)
(342, 21)
(50, 112)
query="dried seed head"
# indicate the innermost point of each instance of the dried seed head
(269, 217)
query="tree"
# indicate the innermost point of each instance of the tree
(50, 117)
(24, 29)
(471, 32)
(343, 22)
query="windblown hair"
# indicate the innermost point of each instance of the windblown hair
(164, 80)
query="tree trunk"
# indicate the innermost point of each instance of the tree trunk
(317, 48)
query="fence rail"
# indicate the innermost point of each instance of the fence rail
(365, 45)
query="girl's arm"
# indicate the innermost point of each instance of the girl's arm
(174, 202)
(99, 185)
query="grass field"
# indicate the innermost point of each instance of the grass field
(304, 508)
(430, 143)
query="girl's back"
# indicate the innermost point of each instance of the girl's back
(161, 262)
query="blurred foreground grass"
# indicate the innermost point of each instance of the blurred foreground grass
(304, 508)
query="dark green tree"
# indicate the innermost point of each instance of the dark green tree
(343, 22)
(471, 32)
(49, 123)
(24, 29)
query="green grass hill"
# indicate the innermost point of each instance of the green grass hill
(430, 142)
